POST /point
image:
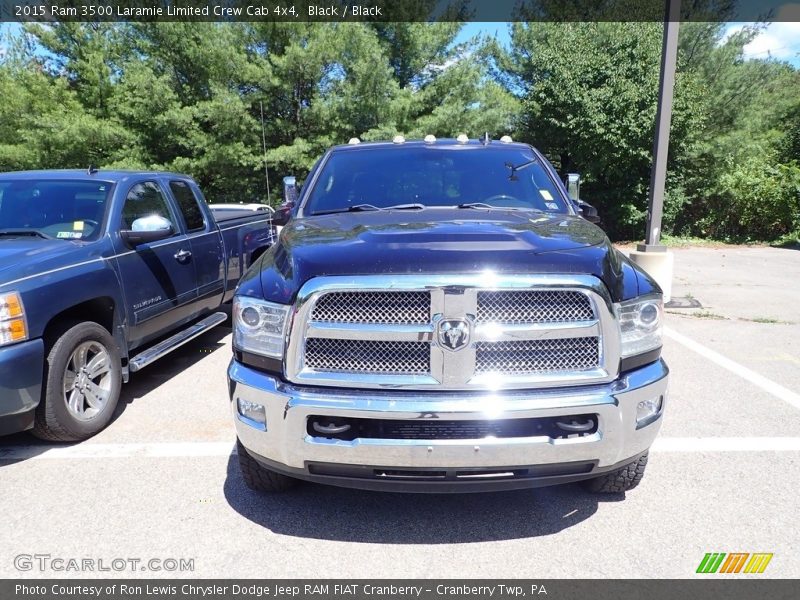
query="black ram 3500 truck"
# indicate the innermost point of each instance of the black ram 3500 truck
(440, 315)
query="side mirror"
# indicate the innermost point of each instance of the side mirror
(145, 230)
(290, 194)
(283, 213)
(574, 185)
(587, 211)
(290, 191)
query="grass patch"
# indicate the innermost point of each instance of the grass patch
(789, 241)
(703, 314)
(679, 241)
(768, 320)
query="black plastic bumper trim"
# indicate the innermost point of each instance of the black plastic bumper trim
(18, 422)
(639, 360)
(273, 366)
(437, 480)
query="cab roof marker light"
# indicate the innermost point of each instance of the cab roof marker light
(429, 139)
(353, 141)
(462, 138)
(399, 139)
(506, 139)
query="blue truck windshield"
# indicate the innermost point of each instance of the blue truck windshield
(434, 176)
(69, 210)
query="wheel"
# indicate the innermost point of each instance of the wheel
(82, 380)
(621, 480)
(259, 478)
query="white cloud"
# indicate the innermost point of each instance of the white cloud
(780, 39)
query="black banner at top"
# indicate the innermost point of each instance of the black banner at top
(44, 11)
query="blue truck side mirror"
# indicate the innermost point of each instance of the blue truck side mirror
(145, 230)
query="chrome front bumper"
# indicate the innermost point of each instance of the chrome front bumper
(285, 445)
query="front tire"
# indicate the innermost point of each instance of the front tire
(259, 478)
(83, 376)
(621, 480)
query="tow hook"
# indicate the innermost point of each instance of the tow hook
(575, 426)
(330, 429)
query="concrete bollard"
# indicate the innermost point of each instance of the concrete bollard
(660, 267)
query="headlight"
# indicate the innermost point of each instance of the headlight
(259, 327)
(640, 324)
(13, 327)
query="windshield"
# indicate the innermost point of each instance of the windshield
(68, 210)
(434, 176)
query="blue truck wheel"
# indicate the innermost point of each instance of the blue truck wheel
(82, 384)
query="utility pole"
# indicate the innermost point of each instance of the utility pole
(653, 256)
(264, 143)
(666, 84)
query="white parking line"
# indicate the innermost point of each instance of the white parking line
(130, 450)
(221, 449)
(722, 444)
(765, 384)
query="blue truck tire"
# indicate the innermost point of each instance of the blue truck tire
(83, 377)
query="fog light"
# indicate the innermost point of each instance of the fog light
(648, 410)
(252, 413)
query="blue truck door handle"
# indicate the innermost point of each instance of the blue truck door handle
(183, 256)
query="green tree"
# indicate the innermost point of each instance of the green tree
(43, 124)
(589, 100)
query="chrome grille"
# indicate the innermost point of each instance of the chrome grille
(374, 307)
(373, 331)
(546, 306)
(537, 356)
(357, 356)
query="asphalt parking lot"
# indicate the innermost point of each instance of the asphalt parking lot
(162, 481)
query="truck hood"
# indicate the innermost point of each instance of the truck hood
(434, 241)
(24, 256)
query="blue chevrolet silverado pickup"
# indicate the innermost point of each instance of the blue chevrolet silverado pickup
(440, 315)
(101, 273)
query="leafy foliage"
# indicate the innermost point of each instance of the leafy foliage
(190, 97)
(589, 94)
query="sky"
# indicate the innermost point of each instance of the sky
(778, 40)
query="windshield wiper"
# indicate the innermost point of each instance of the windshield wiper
(493, 207)
(354, 208)
(413, 206)
(33, 232)
(365, 207)
(475, 205)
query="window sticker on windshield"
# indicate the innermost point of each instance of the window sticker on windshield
(551, 205)
(77, 226)
(546, 195)
(69, 235)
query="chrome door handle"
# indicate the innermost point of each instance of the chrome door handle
(182, 256)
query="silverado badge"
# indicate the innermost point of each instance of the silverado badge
(453, 334)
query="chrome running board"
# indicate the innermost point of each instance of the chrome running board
(176, 341)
